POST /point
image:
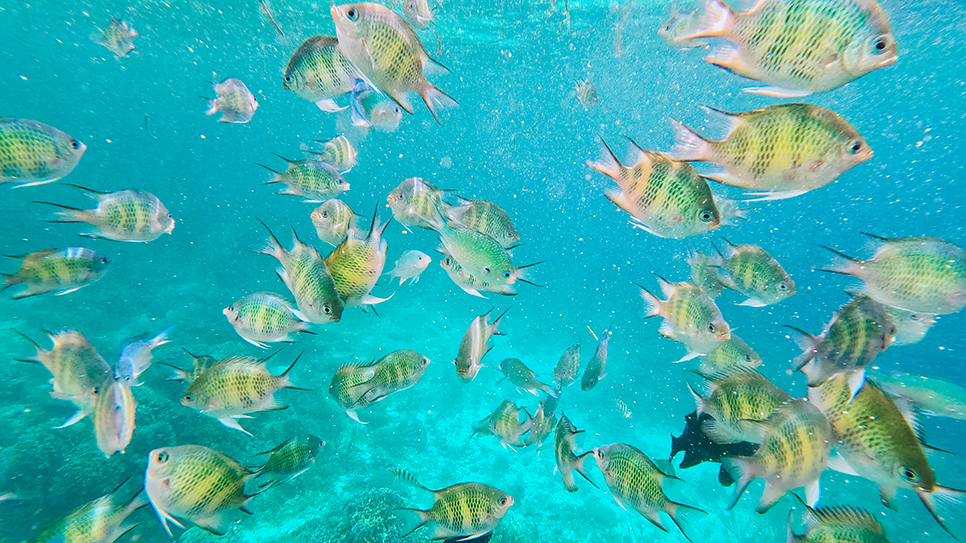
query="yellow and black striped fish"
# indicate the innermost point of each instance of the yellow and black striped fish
(61, 270)
(751, 271)
(98, 521)
(32, 153)
(690, 317)
(127, 215)
(463, 511)
(836, 524)
(739, 398)
(319, 72)
(289, 459)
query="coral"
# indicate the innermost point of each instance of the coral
(366, 518)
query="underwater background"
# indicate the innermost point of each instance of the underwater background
(519, 138)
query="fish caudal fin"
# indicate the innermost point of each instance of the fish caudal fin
(581, 469)
(419, 519)
(945, 496)
(810, 344)
(70, 214)
(608, 164)
(688, 144)
(654, 304)
(742, 469)
(436, 99)
(717, 21)
(682, 516)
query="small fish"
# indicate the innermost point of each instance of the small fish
(704, 273)
(337, 152)
(319, 72)
(831, 43)
(466, 281)
(356, 265)
(564, 447)
(33, 153)
(795, 444)
(481, 255)
(690, 317)
(196, 484)
(334, 221)
(118, 37)
(855, 336)
(98, 521)
(418, 13)
(396, 371)
(665, 198)
(542, 423)
(383, 46)
(922, 274)
(462, 511)
(783, 150)
(568, 367)
(416, 202)
(410, 266)
(876, 441)
(345, 388)
(739, 400)
(838, 523)
(235, 387)
(699, 448)
(370, 109)
(289, 459)
(60, 270)
(522, 377)
(504, 424)
(911, 327)
(114, 412)
(76, 368)
(733, 353)
(678, 25)
(313, 180)
(934, 396)
(235, 102)
(198, 366)
(635, 481)
(625, 411)
(136, 355)
(475, 345)
(594, 371)
(308, 278)
(751, 271)
(127, 215)
(265, 317)
(586, 94)
(487, 218)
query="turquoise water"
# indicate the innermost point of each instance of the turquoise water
(518, 138)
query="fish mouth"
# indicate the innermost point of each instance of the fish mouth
(336, 11)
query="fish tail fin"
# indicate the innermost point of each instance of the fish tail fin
(272, 247)
(421, 518)
(69, 214)
(8, 281)
(810, 344)
(682, 515)
(436, 99)
(608, 164)
(688, 144)
(212, 106)
(284, 380)
(581, 469)
(744, 469)
(852, 266)
(717, 21)
(654, 304)
(946, 497)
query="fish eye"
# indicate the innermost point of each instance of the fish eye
(782, 286)
(325, 214)
(352, 14)
(909, 474)
(747, 358)
(161, 458)
(75, 144)
(288, 78)
(880, 45)
(327, 309)
(395, 109)
(712, 328)
(487, 270)
(706, 216)
(188, 398)
(855, 147)
(507, 274)
(503, 500)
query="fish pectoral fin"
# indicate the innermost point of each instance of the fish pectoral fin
(232, 422)
(328, 105)
(213, 523)
(777, 92)
(888, 496)
(831, 60)
(753, 302)
(258, 344)
(74, 419)
(777, 195)
(837, 462)
(812, 493)
(68, 291)
(164, 516)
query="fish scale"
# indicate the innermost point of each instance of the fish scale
(690, 317)
(33, 153)
(318, 70)
(334, 221)
(64, 270)
(416, 202)
(98, 521)
(264, 317)
(738, 399)
(731, 353)
(487, 218)
(751, 271)
(77, 369)
(838, 524)
(356, 265)
(466, 509)
(396, 371)
(127, 215)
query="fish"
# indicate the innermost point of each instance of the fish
(33, 153)
(308, 278)
(704, 273)
(118, 37)
(855, 336)
(235, 387)
(338, 152)
(838, 523)
(319, 72)
(345, 386)
(635, 480)
(542, 424)
(235, 102)
(356, 265)
(196, 484)
(568, 367)
(523, 377)
(875, 440)
(690, 317)
(462, 511)
(396, 371)
(795, 447)
(100, 520)
(487, 218)
(594, 371)
(932, 395)
(475, 345)
(61, 271)
(751, 271)
(114, 412)
(136, 354)
(799, 47)
(416, 202)
(665, 198)
(622, 407)
(199, 364)
(739, 400)
(586, 94)
(370, 109)
(466, 281)
(678, 25)
(288, 460)
(313, 180)
(265, 317)
(127, 215)
(386, 50)
(911, 327)
(76, 368)
(783, 150)
(481, 255)
(504, 424)
(921, 274)
(699, 448)
(564, 449)
(730, 354)
(410, 266)
(418, 13)
(334, 221)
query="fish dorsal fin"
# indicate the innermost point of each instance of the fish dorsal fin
(721, 374)
(730, 121)
(911, 413)
(844, 515)
(667, 288)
